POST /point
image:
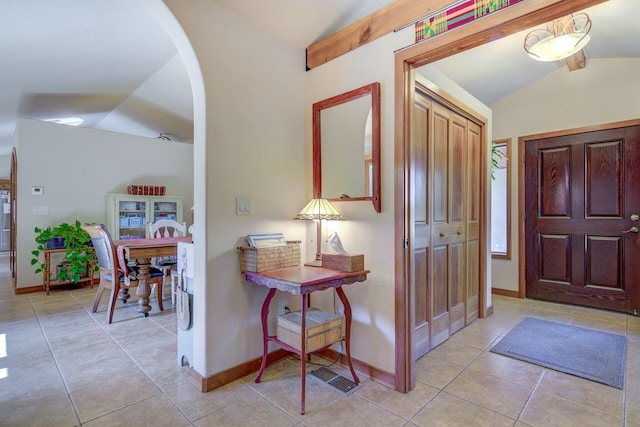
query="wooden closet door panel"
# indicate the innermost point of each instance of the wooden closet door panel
(474, 141)
(457, 282)
(440, 233)
(457, 227)
(457, 169)
(439, 295)
(419, 274)
(422, 335)
(440, 165)
(420, 162)
(444, 228)
(473, 280)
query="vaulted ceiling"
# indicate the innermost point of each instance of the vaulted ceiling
(111, 64)
(102, 61)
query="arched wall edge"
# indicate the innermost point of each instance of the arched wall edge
(163, 13)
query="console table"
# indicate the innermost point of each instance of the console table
(303, 280)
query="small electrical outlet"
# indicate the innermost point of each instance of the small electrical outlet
(284, 308)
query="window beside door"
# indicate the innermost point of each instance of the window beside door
(501, 199)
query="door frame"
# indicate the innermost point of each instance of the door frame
(515, 18)
(14, 218)
(522, 281)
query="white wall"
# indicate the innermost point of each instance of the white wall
(77, 167)
(364, 230)
(258, 145)
(5, 166)
(602, 92)
(255, 148)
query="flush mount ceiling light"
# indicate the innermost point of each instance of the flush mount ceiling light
(69, 121)
(562, 38)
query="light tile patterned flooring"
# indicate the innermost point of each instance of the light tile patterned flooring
(66, 367)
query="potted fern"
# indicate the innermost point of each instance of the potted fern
(78, 251)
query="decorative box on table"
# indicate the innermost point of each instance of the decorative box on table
(323, 329)
(343, 262)
(269, 258)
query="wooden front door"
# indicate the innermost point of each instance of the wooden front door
(445, 197)
(582, 203)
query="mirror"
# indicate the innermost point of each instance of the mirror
(346, 146)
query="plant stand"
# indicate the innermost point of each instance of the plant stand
(47, 282)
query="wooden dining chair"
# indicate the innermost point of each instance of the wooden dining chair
(108, 264)
(165, 228)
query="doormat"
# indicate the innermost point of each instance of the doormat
(586, 353)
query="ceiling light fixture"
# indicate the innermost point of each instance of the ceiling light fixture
(69, 121)
(562, 38)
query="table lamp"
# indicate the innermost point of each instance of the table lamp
(317, 210)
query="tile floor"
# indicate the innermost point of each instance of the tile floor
(62, 366)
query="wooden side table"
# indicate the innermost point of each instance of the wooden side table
(303, 280)
(47, 282)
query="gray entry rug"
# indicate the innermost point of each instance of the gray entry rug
(586, 353)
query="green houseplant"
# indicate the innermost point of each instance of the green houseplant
(78, 250)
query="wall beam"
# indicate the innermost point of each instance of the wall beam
(383, 21)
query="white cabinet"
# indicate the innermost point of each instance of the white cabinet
(128, 216)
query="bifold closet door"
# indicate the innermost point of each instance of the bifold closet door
(474, 141)
(420, 224)
(445, 207)
(448, 232)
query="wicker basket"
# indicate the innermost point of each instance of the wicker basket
(262, 259)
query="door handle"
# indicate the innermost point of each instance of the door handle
(631, 230)
(635, 217)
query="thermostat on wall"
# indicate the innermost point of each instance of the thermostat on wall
(37, 191)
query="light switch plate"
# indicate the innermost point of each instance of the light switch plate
(243, 206)
(37, 190)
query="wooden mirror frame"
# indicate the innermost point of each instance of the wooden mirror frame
(372, 89)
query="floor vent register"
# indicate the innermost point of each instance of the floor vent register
(335, 380)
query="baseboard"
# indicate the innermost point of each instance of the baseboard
(40, 288)
(489, 311)
(505, 293)
(29, 290)
(359, 366)
(206, 384)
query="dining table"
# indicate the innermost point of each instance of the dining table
(143, 250)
